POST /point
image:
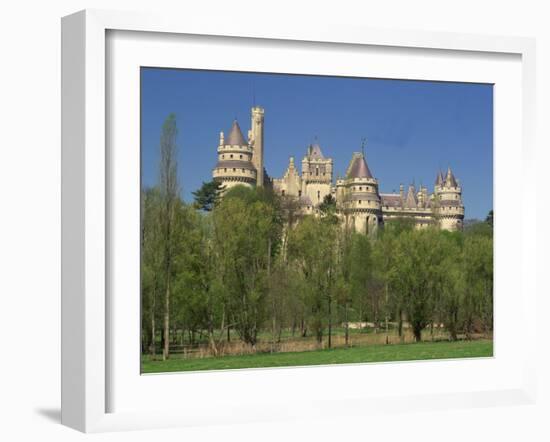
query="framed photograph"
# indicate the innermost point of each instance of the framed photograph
(249, 214)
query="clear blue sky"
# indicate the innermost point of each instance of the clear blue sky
(413, 127)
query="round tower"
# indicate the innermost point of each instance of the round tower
(450, 209)
(234, 164)
(361, 202)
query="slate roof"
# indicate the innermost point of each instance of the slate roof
(359, 168)
(391, 199)
(439, 179)
(239, 164)
(363, 197)
(450, 180)
(235, 137)
(315, 152)
(452, 203)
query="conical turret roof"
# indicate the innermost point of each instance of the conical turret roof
(358, 167)
(450, 180)
(235, 137)
(439, 179)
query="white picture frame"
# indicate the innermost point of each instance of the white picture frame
(86, 205)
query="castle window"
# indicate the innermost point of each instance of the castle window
(318, 194)
(231, 156)
(360, 188)
(283, 192)
(234, 170)
(317, 171)
(359, 201)
(299, 193)
(243, 170)
(223, 156)
(241, 157)
(225, 169)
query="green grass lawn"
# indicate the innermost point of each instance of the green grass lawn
(371, 353)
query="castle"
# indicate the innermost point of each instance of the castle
(359, 202)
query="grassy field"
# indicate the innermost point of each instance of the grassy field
(371, 353)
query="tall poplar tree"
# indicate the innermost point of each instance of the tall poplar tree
(169, 194)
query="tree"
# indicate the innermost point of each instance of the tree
(418, 258)
(169, 195)
(208, 195)
(384, 269)
(489, 218)
(360, 263)
(151, 256)
(478, 274)
(313, 248)
(247, 235)
(200, 300)
(450, 284)
(344, 296)
(328, 205)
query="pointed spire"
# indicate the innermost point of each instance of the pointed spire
(315, 152)
(450, 180)
(235, 137)
(439, 178)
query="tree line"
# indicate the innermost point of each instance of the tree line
(251, 263)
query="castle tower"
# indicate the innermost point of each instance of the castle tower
(291, 183)
(361, 203)
(316, 175)
(257, 142)
(411, 201)
(234, 164)
(450, 209)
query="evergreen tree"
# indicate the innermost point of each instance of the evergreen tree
(208, 195)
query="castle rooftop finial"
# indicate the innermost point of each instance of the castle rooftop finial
(363, 144)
